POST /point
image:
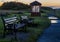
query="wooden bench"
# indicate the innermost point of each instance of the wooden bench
(12, 24)
(27, 20)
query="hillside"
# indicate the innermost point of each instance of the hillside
(14, 6)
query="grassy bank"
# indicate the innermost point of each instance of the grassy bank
(37, 31)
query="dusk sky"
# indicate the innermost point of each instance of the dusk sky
(44, 2)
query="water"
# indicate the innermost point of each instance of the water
(51, 34)
(51, 18)
(55, 7)
(54, 20)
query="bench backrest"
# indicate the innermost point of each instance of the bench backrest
(24, 17)
(9, 21)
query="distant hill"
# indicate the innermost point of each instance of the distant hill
(21, 6)
(14, 6)
(46, 9)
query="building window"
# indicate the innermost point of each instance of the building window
(35, 9)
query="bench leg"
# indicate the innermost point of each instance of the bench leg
(11, 31)
(4, 33)
(25, 29)
(15, 34)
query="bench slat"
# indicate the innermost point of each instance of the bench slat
(11, 21)
(10, 18)
(24, 17)
(12, 24)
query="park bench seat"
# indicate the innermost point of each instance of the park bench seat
(17, 26)
(13, 21)
(11, 24)
(26, 19)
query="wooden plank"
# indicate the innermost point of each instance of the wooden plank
(24, 17)
(10, 18)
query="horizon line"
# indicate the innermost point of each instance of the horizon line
(43, 4)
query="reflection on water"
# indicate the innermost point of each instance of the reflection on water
(52, 17)
(54, 21)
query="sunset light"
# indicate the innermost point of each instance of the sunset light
(30, 20)
(44, 2)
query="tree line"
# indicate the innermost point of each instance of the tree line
(19, 6)
(14, 6)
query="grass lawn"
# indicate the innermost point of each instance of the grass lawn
(35, 32)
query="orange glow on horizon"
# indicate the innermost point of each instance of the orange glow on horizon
(1, 3)
(43, 3)
(50, 4)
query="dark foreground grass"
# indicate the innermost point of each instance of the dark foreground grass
(35, 32)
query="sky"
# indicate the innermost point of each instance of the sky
(44, 2)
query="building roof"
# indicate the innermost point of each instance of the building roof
(35, 3)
